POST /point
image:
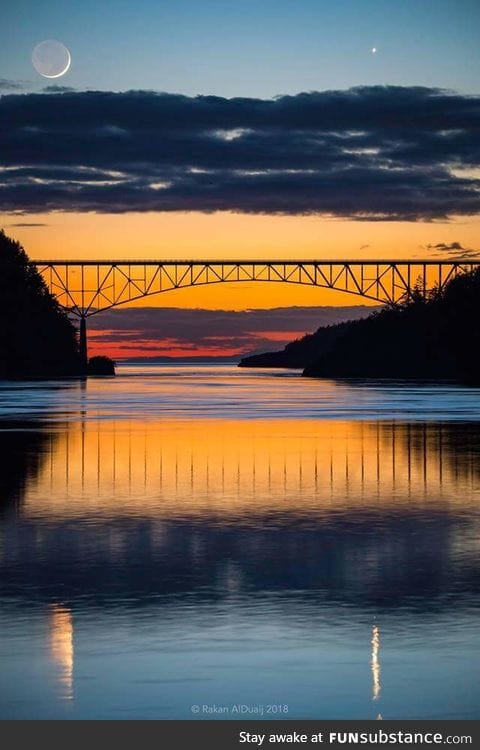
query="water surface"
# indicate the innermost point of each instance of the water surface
(212, 536)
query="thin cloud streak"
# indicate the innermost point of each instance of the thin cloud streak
(452, 249)
(8, 85)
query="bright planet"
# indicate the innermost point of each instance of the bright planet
(51, 59)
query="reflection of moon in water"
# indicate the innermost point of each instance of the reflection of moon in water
(375, 663)
(51, 59)
(61, 640)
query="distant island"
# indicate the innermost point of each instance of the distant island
(301, 352)
(436, 337)
(195, 359)
(100, 365)
(37, 339)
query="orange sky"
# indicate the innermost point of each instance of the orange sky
(196, 235)
(228, 235)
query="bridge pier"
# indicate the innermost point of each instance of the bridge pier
(83, 343)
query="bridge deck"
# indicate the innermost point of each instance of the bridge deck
(257, 262)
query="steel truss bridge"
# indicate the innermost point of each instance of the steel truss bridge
(86, 287)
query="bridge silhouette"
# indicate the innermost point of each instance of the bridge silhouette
(87, 287)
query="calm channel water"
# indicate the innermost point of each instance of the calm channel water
(233, 539)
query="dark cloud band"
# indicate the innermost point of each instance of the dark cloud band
(245, 330)
(366, 153)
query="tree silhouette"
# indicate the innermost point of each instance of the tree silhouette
(100, 365)
(434, 337)
(36, 336)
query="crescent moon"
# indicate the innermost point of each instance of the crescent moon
(51, 59)
(67, 66)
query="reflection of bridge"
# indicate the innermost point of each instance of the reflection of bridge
(88, 287)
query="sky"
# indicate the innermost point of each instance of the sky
(248, 48)
(289, 129)
(144, 331)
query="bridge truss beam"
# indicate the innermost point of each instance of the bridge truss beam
(85, 288)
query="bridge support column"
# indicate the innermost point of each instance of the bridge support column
(83, 343)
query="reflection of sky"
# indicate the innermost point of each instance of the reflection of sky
(164, 504)
(236, 561)
(157, 662)
(249, 48)
(229, 392)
